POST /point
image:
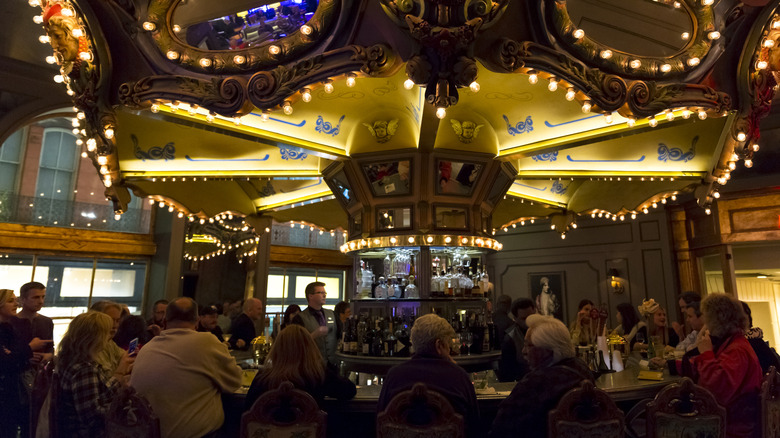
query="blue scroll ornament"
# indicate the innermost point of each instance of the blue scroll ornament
(519, 128)
(292, 154)
(666, 154)
(558, 188)
(167, 152)
(326, 127)
(549, 156)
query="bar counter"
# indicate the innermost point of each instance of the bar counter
(359, 414)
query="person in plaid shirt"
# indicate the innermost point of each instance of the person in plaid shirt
(84, 392)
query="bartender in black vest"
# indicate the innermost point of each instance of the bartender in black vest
(321, 323)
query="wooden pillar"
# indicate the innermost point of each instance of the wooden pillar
(687, 268)
(173, 278)
(258, 287)
(727, 267)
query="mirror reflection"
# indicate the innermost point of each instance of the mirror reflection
(355, 224)
(239, 24)
(342, 188)
(394, 218)
(451, 218)
(391, 178)
(456, 177)
(615, 22)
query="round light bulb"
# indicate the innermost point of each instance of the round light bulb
(570, 94)
(148, 25)
(44, 39)
(608, 118)
(586, 106)
(685, 36)
(762, 65)
(287, 107)
(51, 59)
(693, 62)
(441, 112)
(713, 35)
(606, 54)
(652, 122)
(306, 95)
(635, 63)
(274, 49)
(176, 28)
(474, 87)
(631, 122)
(172, 55)
(686, 114)
(578, 34)
(85, 56)
(102, 160)
(77, 33)
(205, 62)
(741, 136)
(328, 86)
(109, 133)
(666, 68)
(266, 114)
(553, 84)
(702, 114)
(306, 29)
(670, 115)
(533, 78)
(239, 59)
(38, 19)
(351, 80)
(755, 147)
(408, 84)
(748, 162)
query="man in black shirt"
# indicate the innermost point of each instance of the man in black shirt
(243, 327)
(207, 322)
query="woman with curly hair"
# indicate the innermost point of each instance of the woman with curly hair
(727, 365)
(84, 392)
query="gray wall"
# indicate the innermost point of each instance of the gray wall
(639, 249)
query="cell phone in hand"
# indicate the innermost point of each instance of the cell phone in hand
(132, 347)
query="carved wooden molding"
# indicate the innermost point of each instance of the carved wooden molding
(52, 240)
(309, 257)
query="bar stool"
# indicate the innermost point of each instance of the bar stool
(284, 412)
(685, 409)
(586, 411)
(770, 404)
(419, 413)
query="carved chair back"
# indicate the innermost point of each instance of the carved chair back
(285, 412)
(586, 412)
(417, 413)
(130, 416)
(683, 410)
(770, 404)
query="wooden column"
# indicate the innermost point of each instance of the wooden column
(258, 287)
(727, 266)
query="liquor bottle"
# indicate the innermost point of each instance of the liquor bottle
(411, 290)
(390, 340)
(449, 288)
(353, 344)
(343, 346)
(365, 337)
(484, 283)
(381, 290)
(376, 341)
(485, 333)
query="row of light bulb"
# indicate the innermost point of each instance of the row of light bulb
(312, 227)
(91, 145)
(415, 240)
(762, 58)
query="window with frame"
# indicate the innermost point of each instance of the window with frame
(56, 173)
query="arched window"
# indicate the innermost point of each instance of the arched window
(56, 175)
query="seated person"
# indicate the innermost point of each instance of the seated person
(432, 365)
(583, 331)
(131, 327)
(554, 371)
(695, 321)
(684, 300)
(513, 364)
(655, 320)
(295, 357)
(207, 322)
(84, 391)
(628, 322)
(767, 356)
(727, 365)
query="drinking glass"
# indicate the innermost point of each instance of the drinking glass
(468, 339)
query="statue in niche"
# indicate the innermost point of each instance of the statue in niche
(383, 130)
(466, 131)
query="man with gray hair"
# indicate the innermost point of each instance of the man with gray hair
(182, 373)
(554, 371)
(432, 365)
(243, 327)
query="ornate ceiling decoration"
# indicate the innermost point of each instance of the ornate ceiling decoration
(621, 132)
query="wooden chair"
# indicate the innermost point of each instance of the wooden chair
(586, 412)
(684, 410)
(419, 413)
(770, 404)
(285, 412)
(130, 416)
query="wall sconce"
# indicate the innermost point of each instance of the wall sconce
(614, 281)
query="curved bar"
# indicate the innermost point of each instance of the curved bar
(380, 365)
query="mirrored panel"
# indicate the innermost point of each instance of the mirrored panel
(393, 218)
(451, 218)
(388, 178)
(355, 225)
(239, 24)
(342, 188)
(639, 27)
(457, 177)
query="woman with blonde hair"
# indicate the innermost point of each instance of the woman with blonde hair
(655, 318)
(727, 365)
(84, 392)
(295, 357)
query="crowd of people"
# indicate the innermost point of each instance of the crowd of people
(180, 362)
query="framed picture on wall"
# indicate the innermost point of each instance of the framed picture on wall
(548, 290)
